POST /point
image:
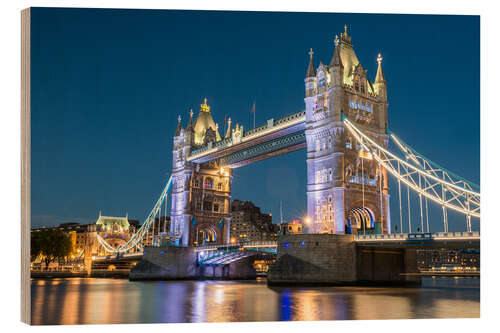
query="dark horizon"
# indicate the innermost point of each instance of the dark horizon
(108, 85)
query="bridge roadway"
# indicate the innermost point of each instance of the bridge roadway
(436, 239)
(227, 253)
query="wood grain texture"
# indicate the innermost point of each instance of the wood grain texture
(25, 165)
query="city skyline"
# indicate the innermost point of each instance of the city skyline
(124, 97)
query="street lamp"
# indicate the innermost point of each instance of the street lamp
(307, 222)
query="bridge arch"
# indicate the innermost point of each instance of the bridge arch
(206, 234)
(359, 218)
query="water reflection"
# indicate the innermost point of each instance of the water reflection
(109, 301)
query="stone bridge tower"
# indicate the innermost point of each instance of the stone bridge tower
(200, 192)
(347, 192)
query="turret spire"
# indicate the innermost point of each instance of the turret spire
(380, 73)
(179, 127)
(336, 60)
(228, 132)
(311, 70)
(190, 126)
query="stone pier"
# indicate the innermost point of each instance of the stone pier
(329, 259)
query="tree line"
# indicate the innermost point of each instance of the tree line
(51, 244)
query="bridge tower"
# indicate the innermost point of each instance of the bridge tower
(347, 192)
(200, 192)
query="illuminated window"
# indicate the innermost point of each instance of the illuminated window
(318, 145)
(348, 143)
(219, 186)
(216, 207)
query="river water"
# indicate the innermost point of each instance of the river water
(114, 301)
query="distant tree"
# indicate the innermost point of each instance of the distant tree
(35, 248)
(52, 244)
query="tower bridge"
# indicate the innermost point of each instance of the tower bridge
(344, 131)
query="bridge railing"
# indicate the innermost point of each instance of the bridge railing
(252, 244)
(419, 236)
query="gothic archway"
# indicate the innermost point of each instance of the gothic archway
(205, 235)
(360, 218)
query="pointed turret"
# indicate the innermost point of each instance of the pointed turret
(336, 59)
(380, 85)
(204, 121)
(190, 126)
(228, 132)
(217, 137)
(310, 80)
(311, 70)
(179, 127)
(337, 65)
(380, 73)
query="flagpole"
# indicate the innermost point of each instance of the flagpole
(253, 111)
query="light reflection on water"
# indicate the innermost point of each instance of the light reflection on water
(113, 301)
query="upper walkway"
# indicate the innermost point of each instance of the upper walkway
(286, 131)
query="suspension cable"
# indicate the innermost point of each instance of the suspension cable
(400, 206)
(363, 190)
(421, 210)
(381, 200)
(409, 208)
(427, 214)
(389, 161)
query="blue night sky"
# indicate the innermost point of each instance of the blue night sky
(107, 86)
